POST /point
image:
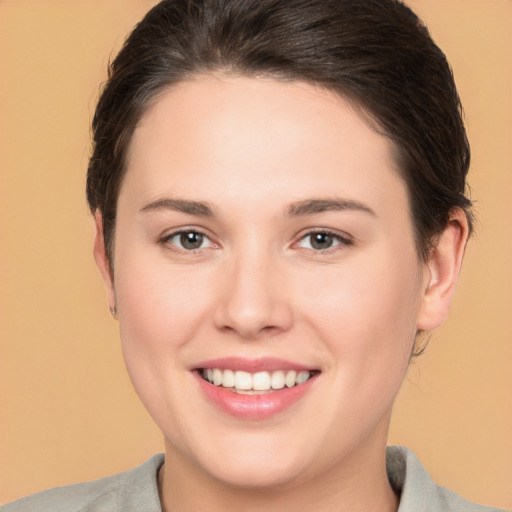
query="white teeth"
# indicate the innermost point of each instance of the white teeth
(302, 377)
(260, 381)
(243, 380)
(277, 380)
(217, 377)
(228, 379)
(290, 379)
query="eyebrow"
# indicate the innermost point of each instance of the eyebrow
(180, 205)
(312, 206)
(296, 209)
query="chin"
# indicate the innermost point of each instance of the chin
(249, 462)
(259, 474)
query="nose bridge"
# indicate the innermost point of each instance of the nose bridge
(253, 298)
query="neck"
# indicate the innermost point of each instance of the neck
(359, 484)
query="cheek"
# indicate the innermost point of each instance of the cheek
(160, 311)
(161, 307)
(366, 315)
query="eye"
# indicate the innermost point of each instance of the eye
(189, 240)
(322, 241)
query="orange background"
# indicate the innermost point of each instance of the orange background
(68, 412)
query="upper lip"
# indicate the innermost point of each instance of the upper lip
(268, 364)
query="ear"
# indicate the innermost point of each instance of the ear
(101, 258)
(442, 271)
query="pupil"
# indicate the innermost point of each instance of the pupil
(321, 241)
(191, 240)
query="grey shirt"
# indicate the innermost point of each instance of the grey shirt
(136, 491)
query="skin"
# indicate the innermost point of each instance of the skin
(250, 149)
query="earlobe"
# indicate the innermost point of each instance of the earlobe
(102, 260)
(442, 272)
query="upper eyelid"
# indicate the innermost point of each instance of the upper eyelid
(166, 238)
(344, 242)
(186, 229)
(334, 232)
(342, 235)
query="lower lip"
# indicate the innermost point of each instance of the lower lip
(253, 407)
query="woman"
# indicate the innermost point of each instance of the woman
(278, 189)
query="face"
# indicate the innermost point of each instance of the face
(263, 241)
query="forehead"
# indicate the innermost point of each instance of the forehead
(232, 136)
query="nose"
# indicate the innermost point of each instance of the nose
(253, 298)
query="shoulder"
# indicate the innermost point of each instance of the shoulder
(418, 491)
(129, 491)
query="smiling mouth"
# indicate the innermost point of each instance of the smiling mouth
(255, 383)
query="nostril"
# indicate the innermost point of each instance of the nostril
(253, 321)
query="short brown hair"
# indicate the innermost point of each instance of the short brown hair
(376, 53)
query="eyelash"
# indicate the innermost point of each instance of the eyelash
(167, 240)
(342, 241)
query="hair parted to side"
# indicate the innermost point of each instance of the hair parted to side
(375, 53)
